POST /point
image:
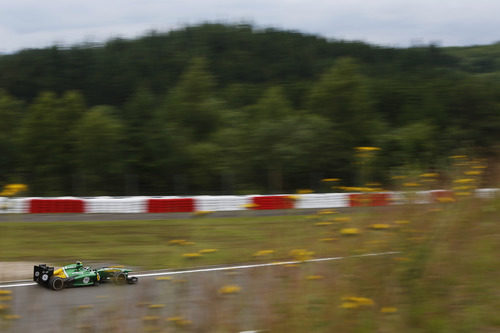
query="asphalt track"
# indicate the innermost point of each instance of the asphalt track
(193, 295)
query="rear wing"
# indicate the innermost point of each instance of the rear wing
(42, 273)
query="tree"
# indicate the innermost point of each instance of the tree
(191, 103)
(11, 112)
(46, 136)
(99, 146)
(341, 94)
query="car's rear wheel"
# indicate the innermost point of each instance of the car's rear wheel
(56, 283)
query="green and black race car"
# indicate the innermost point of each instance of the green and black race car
(75, 275)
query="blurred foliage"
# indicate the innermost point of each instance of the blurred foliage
(231, 109)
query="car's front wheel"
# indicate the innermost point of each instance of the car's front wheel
(120, 278)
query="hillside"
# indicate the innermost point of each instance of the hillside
(232, 109)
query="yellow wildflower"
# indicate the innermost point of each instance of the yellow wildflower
(263, 253)
(445, 199)
(327, 212)
(293, 197)
(191, 255)
(398, 177)
(322, 224)
(250, 205)
(314, 277)
(464, 180)
(473, 173)
(462, 188)
(349, 231)
(401, 221)
(183, 322)
(367, 149)
(229, 289)
(456, 157)
(301, 254)
(358, 189)
(349, 305)
(13, 189)
(156, 306)
(389, 309)
(361, 301)
(11, 317)
(5, 292)
(330, 179)
(342, 219)
(179, 321)
(411, 184)
(429, 175)
(463, 194)
(304, 191)
(380, 226)
(202, 212)
(328, 239)
(208, 251)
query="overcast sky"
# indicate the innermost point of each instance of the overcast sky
(39, 23)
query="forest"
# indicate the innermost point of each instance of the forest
(232, 109)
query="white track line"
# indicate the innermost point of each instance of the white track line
(13, 285)
(227, 268)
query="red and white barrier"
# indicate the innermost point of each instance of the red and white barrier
(59, 205)
(322, 200)
(170, 205)
(116, 205)
(220, 203)
(174, 204)
(16, 205)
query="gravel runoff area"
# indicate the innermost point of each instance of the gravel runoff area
(14, 271)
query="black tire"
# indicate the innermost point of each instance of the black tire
(132, 280)
(56, 283)
(120, 278)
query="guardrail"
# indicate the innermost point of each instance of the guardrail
(174, 204)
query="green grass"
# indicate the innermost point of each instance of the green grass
(145, 244)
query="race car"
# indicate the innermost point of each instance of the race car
(76, 275)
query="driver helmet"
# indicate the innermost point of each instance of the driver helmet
(79, 264)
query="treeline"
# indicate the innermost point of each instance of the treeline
(230, 109)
